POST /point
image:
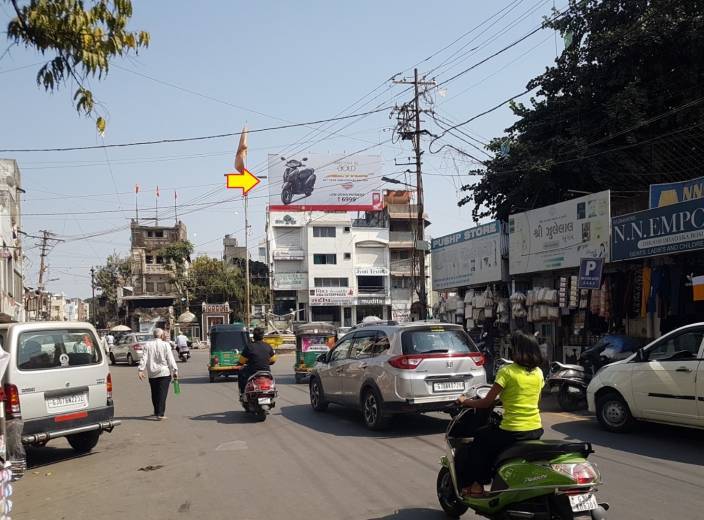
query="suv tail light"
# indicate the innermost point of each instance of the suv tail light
(12, 402)
(582, 473)
(412, 361)
(108, 384)
(406, 362)
(478, 358)
(137, 346)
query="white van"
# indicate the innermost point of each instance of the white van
(57, 383)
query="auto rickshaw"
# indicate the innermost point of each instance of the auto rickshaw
(226, 344)
(312, 339)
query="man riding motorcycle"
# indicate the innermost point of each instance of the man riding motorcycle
(256, 356)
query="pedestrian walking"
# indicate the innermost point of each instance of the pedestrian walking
(110, 340)
(160, 366)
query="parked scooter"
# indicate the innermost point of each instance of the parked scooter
(543, 480)
(260, 393)
(297, 180)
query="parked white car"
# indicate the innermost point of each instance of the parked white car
(57, 384)
(129, 348)
(662, 382)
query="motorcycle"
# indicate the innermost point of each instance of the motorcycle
(297, 180)
(543, 480)
(570, 383)
(259, 396)
(184, 353)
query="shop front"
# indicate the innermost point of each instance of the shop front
(332, 304)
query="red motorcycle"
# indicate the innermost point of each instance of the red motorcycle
(260, 393)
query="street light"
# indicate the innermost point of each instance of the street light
(396, 181)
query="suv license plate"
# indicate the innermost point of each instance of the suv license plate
(67, 403)
(448, 387)
(582, 503)
(264, 400)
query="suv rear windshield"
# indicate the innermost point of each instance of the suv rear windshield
(436, 340)
(40, 350)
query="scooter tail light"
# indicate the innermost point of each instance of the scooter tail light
(582, 473)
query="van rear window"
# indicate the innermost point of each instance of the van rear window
(436, 340)
(45, 349)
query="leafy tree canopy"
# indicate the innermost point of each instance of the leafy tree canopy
(621, 109)
(114, 274)
(81, 36)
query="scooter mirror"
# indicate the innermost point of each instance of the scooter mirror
(305, 159)
(283, 158)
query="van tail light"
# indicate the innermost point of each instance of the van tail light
(582, 473)
(12, 402)
(137, 346)
(478, 358)
(406, 362)
(108, 384)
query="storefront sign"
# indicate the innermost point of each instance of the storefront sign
(317, 301)
(285, 220)
(290, 281)
(674, 192)
(371, 300)
(332, 296)
(401, 313)
(590, 272)
(558, 236)
(289, 254)
(470, 257)
(371, 271)
(660, 231)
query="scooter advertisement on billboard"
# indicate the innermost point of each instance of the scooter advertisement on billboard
(322, 182)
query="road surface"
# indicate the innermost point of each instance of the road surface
(210, 460)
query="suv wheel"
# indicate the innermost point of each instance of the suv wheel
(317, 396)
(373, 410)
(84, 442)
(613, 413)
(112, 358)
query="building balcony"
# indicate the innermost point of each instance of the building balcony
(405, 212)
(401, 267)
(156, 269)
(407, 240)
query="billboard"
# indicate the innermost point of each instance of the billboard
(674, 192)
(290, 281)
(321, 296)
(559, 236)
(470, 257)
(322, 182)
(676, 228)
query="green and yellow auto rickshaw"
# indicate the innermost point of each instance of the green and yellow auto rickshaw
(226, 344)
(312, 339)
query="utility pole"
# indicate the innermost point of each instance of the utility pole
(409, 128)
(92, 302)
(45, 238)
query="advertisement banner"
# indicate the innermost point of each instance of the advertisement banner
(674, 192)
(372, 300)
(559, 236)
(470, 257)
(285, 220)
(331, 296)
(290, 281)
(317, 343)
(321, 182)
(371, 271)
(676, 228)
(590, 272)
(289, 254)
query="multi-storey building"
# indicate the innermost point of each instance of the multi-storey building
(232, 250)
(11, 258)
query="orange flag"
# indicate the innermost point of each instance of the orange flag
(157, 191)
(136, 188)
(241, 156)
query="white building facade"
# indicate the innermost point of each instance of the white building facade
(11, 257)
(328, 266)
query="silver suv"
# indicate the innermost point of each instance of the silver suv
(386, 368)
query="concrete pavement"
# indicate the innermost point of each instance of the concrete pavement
(210, 460)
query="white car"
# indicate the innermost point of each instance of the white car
(662, 382)
(129, 348)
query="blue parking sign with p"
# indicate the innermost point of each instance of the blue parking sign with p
(590, 272)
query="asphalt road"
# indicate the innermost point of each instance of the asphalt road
(210, 460)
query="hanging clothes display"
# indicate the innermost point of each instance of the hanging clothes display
(645, 291)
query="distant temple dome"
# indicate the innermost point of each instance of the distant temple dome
(187, 317)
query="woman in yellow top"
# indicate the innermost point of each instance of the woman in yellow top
(518, 385)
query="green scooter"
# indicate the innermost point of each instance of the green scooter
(540, 480)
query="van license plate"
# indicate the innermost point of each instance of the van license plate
(582, 503)
(67, 403)
(448, 387)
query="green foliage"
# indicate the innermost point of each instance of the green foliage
(595, 122)
(115, 273)
(83, 39)
(176, 258)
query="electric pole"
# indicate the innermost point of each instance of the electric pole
(92, 301)
(45, 238)
(409, 128)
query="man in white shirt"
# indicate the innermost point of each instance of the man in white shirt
(160, 366)
(181, 342)
(110, 340)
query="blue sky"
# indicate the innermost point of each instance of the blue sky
(218, 65)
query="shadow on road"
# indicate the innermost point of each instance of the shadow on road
(413, 514)
(651, 440)
(38, 457)
(345, 422)
(228, 417)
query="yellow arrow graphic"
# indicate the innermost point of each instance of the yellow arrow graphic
(245, 181)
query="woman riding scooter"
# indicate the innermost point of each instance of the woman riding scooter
(518, 385)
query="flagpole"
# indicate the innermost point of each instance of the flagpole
(156, 206)
(175, 209)
(246, 259)
(136, 207)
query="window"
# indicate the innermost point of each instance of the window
(159, 260)
(370, 284)
(401, 282)
(341, 349)
(159, 234)
(324, 231)
(149, 259)
(348, 256)
(57, 349)
(677, 348)
(161, 287)
(331, 282)
(436, 339)
(347, 229)
(324, 259)
(369, 344)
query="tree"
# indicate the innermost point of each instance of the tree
(621, 109)
(83, 40)
(111, 276)
(177, 256)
